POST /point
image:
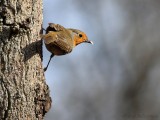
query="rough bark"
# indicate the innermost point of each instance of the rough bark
(24, 94)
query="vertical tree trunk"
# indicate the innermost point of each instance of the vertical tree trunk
(24, 94)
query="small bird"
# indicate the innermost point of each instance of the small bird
(60, 40)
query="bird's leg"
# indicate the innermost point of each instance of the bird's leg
(52, 55)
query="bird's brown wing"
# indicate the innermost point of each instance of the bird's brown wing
(54, 27)
(62, 41)
(49, 38)
(63, 46)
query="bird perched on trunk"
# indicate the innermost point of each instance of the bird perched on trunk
(60, 41)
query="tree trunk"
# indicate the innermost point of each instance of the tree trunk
(24, 94)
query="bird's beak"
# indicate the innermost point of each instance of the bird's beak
(88, 41)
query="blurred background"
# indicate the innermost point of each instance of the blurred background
(117, 78)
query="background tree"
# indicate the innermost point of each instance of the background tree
(23, 90)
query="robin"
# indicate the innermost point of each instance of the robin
(60, 40)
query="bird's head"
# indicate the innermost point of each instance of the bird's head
(80, 37)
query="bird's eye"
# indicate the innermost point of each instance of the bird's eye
(80, 35)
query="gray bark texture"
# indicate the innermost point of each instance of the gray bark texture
(24, 94)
